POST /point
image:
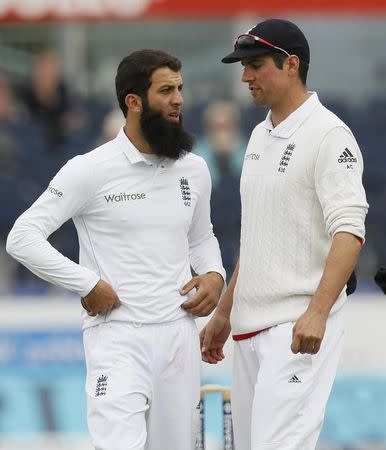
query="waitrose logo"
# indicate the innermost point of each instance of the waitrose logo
(123, 197)
(54, 191)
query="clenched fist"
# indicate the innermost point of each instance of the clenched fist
(100, 300)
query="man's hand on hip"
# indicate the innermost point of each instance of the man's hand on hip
(100, 300)
(208, 291)
(308, 332)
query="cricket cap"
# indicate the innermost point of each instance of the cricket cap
(276, 35)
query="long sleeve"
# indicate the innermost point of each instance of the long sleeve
(66, 195)
(204, 250)
(338, 182)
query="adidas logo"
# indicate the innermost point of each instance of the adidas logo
(294, 379)
(346, 157)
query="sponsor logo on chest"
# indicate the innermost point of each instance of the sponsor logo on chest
(124, 197)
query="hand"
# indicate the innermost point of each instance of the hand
(208, 293)
(213, 337)
(308, 332)
(100, 300)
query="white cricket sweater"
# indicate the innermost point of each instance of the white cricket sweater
(140, 226)
(300, 185)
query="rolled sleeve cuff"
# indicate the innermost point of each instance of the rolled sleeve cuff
(348, 220)
(359, 234)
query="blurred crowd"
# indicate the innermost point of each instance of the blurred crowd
(43, 124)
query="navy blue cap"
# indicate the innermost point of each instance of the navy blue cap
(279, 32)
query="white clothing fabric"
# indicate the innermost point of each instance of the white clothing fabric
(300, 185)
(139, 226)
(279, 398)
(143, 385)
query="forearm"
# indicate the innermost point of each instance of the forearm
(225, 306)
(68, 193)
(205, 257)
(29, 246)
(341, 260)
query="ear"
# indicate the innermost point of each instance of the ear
(293, 63)
(133, 103)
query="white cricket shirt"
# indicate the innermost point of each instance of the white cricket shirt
(300, 185)
(140, 226)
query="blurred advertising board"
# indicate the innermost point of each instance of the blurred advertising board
(42, 368)
(95, 10)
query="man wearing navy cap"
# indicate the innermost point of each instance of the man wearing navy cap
(302, 228)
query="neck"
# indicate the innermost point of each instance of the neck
(288, 105)
(133, 132)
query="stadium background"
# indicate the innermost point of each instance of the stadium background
(74, 48)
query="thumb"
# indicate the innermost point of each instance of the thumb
(188, 286)
(295, 346)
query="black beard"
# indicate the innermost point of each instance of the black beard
(165, 138)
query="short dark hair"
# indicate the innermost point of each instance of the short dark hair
(135, 70)
(278, 59)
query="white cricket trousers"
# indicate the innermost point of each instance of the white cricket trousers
(143, 385)
(279, 398)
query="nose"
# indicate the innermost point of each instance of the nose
(177, 98)
(247, 75)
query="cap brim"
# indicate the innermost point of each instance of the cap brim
(241, 53)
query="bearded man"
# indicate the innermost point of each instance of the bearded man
(141, 207)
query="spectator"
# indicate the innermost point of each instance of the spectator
(11, 193)
(223, 146)
(24, 172)
(111, 125)
(10, 159)
(47, 98)
(223, 149)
